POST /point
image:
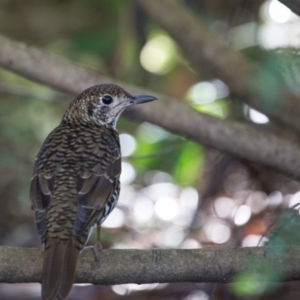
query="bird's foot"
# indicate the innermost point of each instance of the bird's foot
(97, 247)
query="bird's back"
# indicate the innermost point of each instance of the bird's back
(75, 181)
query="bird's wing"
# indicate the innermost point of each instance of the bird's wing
(95, 184)
(42, 181)
(95, 187)
(41, 189)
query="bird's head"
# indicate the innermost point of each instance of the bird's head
(102, 104)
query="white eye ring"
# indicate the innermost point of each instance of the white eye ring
(107, 99)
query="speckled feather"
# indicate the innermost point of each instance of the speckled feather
(74, 163)
(75, 183)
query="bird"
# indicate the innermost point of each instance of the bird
(76, 181)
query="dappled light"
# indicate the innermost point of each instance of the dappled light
(149, 133)
(278, 12)
(257, 117)
(115, 220)
(128, 173)
(241, 215)
(128, 144)
(197, 295)
(203, 92)
(280, 27)
(203, 96)
(217, 232)
(166, 208)
(158, 55)
(224, 207)
(213, 163)
(294, 200)
(143, 210)
(253, 240)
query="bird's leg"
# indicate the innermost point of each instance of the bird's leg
(97, 246)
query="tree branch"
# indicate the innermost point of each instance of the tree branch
(232, 137)
(255, 86)
(148, 266)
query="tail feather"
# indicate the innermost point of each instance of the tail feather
(60, 259)
(69, 270)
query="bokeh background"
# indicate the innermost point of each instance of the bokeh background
(175, 193)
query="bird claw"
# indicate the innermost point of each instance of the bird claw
(97, 247)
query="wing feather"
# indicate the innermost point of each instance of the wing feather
(93, 193)
(96, 181)
(42, 181)
(40, 195)
(40, 192)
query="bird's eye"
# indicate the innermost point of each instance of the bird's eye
(107, 99)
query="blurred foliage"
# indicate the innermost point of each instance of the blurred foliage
(283, 233)
(211, 198)
(253, 284)
(186, 170)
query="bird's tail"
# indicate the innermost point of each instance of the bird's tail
(60, 259)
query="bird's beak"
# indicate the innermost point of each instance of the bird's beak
(137, 99)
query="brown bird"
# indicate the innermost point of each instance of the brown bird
(75, 182)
